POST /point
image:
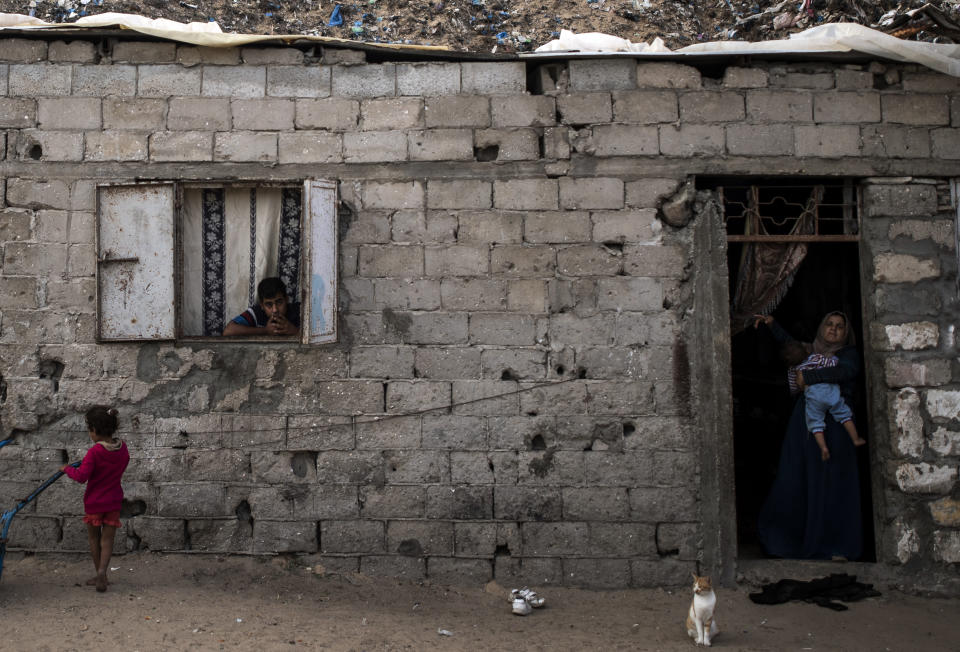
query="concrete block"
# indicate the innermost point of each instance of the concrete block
(624, 140)
(462, 193)
(626, 293)
(528, 503)
(284, 536)
(231, 81)
(457, 260)
(21, 293)
(245, 146)
(393, 432)
(692, 140)
(115, 146)
(419, 538)
(189, 56)
(591, 192)
(654, 261)
(946, 143)
(602, 74)
(553, 538)
(262, 115)
(556, 143)
(523, 111)
(760, 140)
(585, 108)
(648, 193)
(414, 396)
(352, 536)
(258, 56)
(925, 478)
(30, 193)
(407, 294)
(451, 570)
(502, 329)
(734, 77)
(310, 147)
(904, 409)
(440, 145)
(638, 225)
(493, 78)
(903, 268)
(15, 225)
(428, 79)
(391, 113)
(144, 52)
(317, 432)
(526, 194)
(892, 141)
(401, 568)
(191, 500)
(943, 404)
(779, 106)
(645, 107)
(849, 107)
(36, 144)
(449, 432)
(667, 75)
(946, 512)
(378, 261)
(853, 80)
(381, 361)
(373, 80)
(392, 501)
(447, 363)
(508, 145)
(167, 80)
(134, 113)
(17, 113)
(69, 113)
(912, 336)
(181, 146)
(39, 80)
(902, 373)
(712, 106)
(332, 114)
(396, 195)
(461, 502)
(523, 261)
(576, 331)
(496, 227)
(72, 52)
(418, 227)
(34, 259)
(946, 546)
(298, 81)
(375, 147)
(527, 296)
(832, 141)
(457, 111)
(26, 50)
(198, 114)
(483, 539)
(334, 55)
(417, 467)
(900, 200)
(487, 397)
(792, 79)
(916, 109)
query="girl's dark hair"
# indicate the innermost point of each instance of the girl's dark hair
(102, 420)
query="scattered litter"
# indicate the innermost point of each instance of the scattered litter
(525, 600)
(444, 632)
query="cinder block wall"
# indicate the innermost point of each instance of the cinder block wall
(510, 396)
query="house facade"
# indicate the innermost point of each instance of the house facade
(516, 354)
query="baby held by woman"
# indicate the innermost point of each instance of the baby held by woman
(820, 398)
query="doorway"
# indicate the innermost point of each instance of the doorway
(825, 278)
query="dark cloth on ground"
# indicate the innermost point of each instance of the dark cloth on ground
(823, 592)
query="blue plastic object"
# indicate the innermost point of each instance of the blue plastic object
(336, 18)
(7, 517)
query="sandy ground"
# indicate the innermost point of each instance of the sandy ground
(193, 602)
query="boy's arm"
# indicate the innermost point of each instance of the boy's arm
(82, 473)
(848, 368)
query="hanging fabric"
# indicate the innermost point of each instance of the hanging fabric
(767, 269)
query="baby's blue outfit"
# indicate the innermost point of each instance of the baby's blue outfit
(820, 399)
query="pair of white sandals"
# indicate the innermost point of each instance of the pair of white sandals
(525, 601)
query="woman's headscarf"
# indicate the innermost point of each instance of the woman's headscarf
(820, 345)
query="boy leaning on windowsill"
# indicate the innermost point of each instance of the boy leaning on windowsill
(274, 314)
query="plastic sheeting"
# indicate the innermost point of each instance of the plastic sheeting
(834, 37)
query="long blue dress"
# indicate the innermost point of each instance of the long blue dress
(813, 509)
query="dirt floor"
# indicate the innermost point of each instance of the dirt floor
(193, 602)
(517, 25)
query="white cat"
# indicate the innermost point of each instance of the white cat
(700, 623)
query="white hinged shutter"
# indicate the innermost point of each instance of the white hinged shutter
(319, 275)
(135, 262)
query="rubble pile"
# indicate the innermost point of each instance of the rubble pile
(523, 25)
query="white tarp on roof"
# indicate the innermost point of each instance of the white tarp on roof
(833, 37)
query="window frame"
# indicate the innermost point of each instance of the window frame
(316, 232)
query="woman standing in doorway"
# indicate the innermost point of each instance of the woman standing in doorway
(813, 509)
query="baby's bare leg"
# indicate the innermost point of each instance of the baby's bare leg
(822, 443)
(854, 435)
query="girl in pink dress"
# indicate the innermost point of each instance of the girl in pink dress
(101, 469)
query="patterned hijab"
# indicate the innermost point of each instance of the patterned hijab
(820, 345)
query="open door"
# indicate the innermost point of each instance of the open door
(319, 280)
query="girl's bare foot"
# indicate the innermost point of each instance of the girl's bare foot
(93, 581)
(101, 583)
